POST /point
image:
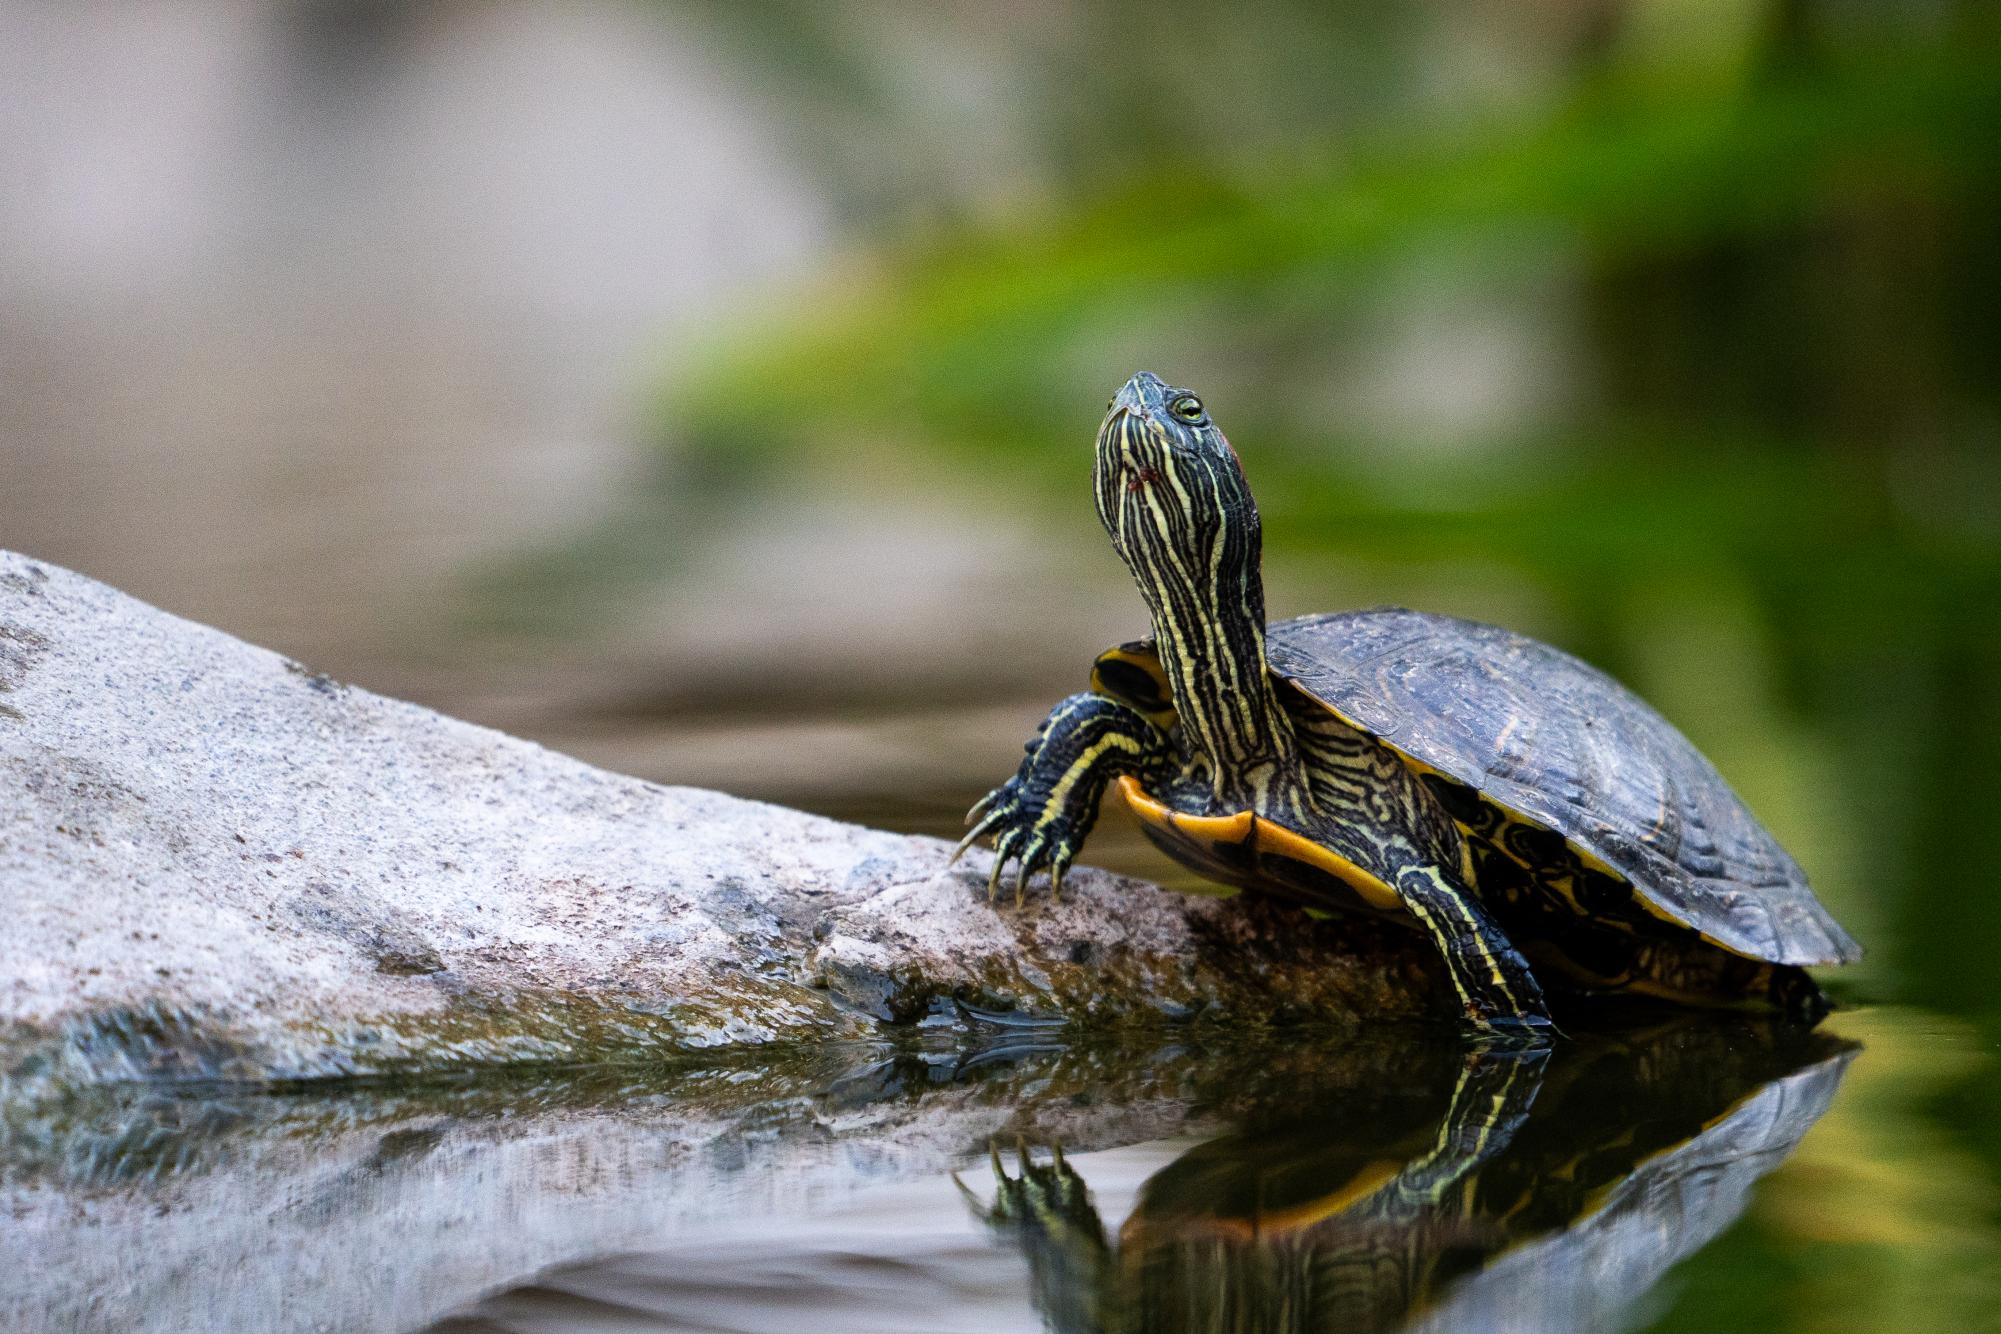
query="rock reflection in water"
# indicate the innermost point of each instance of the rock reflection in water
(1268, 1182)
(1532, 1191)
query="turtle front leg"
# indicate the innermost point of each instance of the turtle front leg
(1494, 983)
(1046, 1211)
(1043, 814)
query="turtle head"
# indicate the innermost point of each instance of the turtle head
(1173, 497)
(1170, 490)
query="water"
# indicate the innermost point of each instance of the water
(1692, 1173)
(1683, 361)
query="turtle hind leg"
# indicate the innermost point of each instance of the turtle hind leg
(1496, 988)
(1040, 818)
(1490, 1102)
(1676, 965)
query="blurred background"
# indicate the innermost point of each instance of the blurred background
(708, 389)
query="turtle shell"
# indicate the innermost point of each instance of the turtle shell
(1556, 742)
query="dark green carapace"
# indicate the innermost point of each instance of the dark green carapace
(1537, 820)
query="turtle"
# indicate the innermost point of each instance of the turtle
(1533, 817)
(1389, 1191)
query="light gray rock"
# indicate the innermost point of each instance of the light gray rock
(217, 864)
(357, 1209)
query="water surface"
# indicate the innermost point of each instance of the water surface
(1681, 1172)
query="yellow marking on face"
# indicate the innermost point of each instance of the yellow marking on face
(1246, 829)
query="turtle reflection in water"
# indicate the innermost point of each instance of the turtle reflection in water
(1537, 820)
(1548, 1192)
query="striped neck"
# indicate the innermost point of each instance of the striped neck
(1209, 629)
(1173, 498)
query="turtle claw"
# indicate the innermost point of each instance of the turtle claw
(1032, 859)
(1059, 866)
(1021, 833)
(1003, 849)
(1032, 843)
(1041, 816)
(1021, 823)
(1051, 850)
(1048, 1199)
(974, 835)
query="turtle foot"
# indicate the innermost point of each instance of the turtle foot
(1021, 828)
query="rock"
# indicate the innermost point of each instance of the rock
(217, 864)
(360, 1208)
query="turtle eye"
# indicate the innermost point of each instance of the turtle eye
(1187, 407)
